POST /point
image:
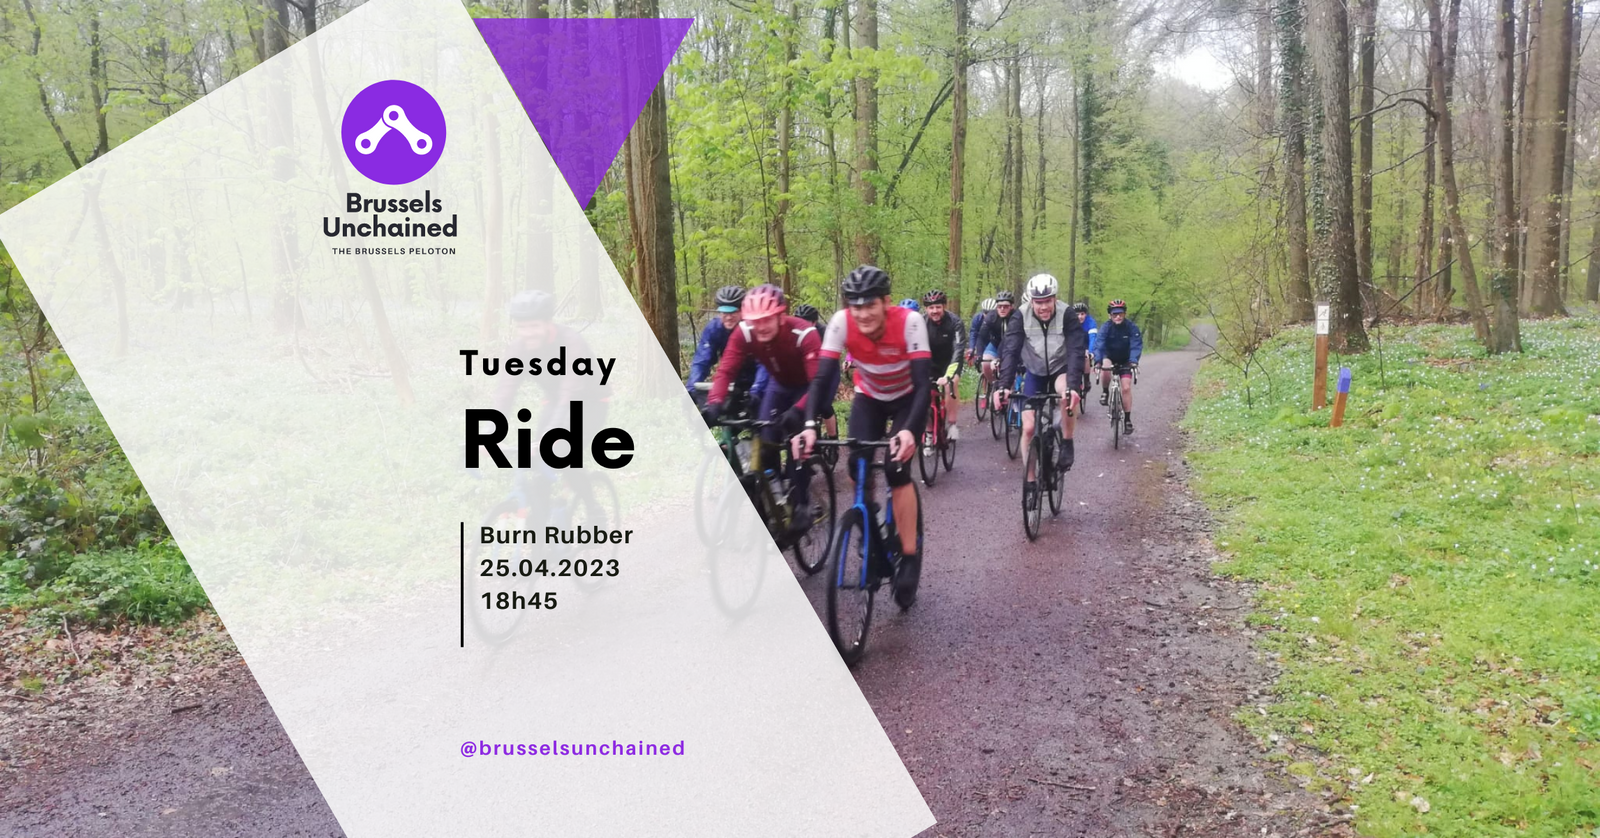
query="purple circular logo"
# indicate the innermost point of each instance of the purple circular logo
(393, 132)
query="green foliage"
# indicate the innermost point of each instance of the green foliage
(1430, 572)
(149, 583)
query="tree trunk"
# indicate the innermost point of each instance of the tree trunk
(1015, 127)
(1368, 54)
(1039, 202)
(1292, 90)
(835, 224)
(1591, 291)
(1328, 39)
(1507, 335)
(780, 244)
(1547, 144)
(655, 269)
(1430, 144)
(866, 83)
(1447, 167)
(1570, 156)
(1077, 176)
(958, 150)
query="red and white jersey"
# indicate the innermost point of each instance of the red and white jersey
(883, 366)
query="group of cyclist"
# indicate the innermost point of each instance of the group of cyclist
(788, 365)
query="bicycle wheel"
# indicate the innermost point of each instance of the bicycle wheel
(737, 566)
(1053, 484)
(997, 417)
(928, 451)
(828, 453)
(495, 625)
(850, 589)
(1013, 435)
(1031, 510)
(980, 401)
(1116, 417)
(811, 550)
(947, 449)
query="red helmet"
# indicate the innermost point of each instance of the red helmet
(764, 301)
(1115, 306)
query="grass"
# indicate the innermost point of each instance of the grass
(1429, 573)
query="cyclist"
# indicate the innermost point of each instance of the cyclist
(1049, 346)
(910, 304)
(996, 326)
(892, 360)
(945, 340)
(787, 348)
(1119, 344)
(535, 332)
(714, 339)
(1090, 329)
(809, 313)
(972, 331)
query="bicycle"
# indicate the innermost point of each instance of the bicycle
(767, 488)
(980, 401)
(503, 566)
(1115, 399)
(1041, 461)
(866, 537)
(711, 482)
(936, 442)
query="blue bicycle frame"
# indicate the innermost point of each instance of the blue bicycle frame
(870, 545)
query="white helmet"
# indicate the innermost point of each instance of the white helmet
(1042, 285)
(988, 305)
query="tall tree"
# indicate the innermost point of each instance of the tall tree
(1547, 144)
(1292, 94)
(1507, 335)
(650, 212)
(1328, 41)
(866, 82)
(780, 242)
(1447, 162)
(1367, 62)
(958, 146)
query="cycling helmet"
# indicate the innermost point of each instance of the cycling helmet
(988, 304)
(728, 298)
(911, 304)
(1005, 297)
(808, 313)
(1081, 308)
(533, 305)
(1116, 306)
(865, 284)
(1041, 286)
(935, 298)
(764, 301)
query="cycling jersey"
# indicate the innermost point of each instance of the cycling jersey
(790, 358)
(883, 366)
(995, 328)
(945, 339)
(1089, 327)
(978, 320)
(1045, 348)
(1122, 344)
(713, 341)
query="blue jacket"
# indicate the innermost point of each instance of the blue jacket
(1090, 329)
(977, 324)
(1122, 344)
(713, 340)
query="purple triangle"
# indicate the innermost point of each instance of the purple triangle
(583, 82)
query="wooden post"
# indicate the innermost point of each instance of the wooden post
(1339, 398)
(1319, 375)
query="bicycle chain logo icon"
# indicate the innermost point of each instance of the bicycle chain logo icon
(404, 110)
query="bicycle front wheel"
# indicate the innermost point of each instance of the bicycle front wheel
(493, 620)
(851, 588)
(810, 551)
(1053, 481)
(1031, 513)
(928, 451)
(947, 449)
(980, 402)
(1013, 436)
(1116, 418)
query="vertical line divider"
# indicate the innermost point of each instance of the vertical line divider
(463, 600)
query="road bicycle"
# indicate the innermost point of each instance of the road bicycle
(712, 480)
(866, 538)
(936, 442)
(1011, 417)
(1115, 399)
(1041, 462)
(736, 568)
(517, 567)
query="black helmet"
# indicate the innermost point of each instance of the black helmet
(865, 284)
(1005, 297)
(1081, 308)
(533, 305)
(729, 297)
(935, 298)
(807, 312)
